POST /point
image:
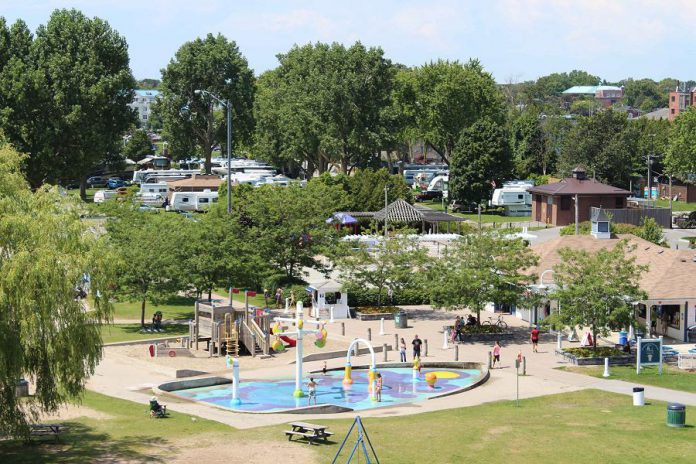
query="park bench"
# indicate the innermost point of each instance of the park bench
(43, 430)
(310, 432)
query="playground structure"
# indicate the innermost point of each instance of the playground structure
(372, 373)
(329, 300)
(232, 328)
(298, 333)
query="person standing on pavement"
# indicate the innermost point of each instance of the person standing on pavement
(496, 355)
(535, 339)
(416, 347)
(402, 350)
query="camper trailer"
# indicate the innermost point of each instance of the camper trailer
(157, 175)
(192, 201)
(514, 197)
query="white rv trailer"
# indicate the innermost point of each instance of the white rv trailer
(514, 197)
(155, 187)
(411, 172)
(100, 196)
(141, 176)
(440, 183)
(192, 201)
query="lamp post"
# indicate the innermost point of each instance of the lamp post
(228, 106)
(544, 287)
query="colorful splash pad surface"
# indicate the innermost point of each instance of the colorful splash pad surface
(276, 395)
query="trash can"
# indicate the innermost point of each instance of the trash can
(623, 337)
(22, 388)
(676, 415)
(638, 396)
(400, 320)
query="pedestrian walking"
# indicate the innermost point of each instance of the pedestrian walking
(535, 339)
(278, 297)
(496, 355)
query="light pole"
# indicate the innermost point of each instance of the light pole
(228, 106)
(544, 287)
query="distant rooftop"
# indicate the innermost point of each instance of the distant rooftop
(662, 113)
(147, 93)
(589, 89)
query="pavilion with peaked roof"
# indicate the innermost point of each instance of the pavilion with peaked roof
(403, 213)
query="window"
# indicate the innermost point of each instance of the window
(672, 110)
(673, 98)
(184, 200)
(565, 203)
(603, 227)
(667, 315)
(520, 197)
(619, 202)
(202, 200)
(144, 116)
(549, 200)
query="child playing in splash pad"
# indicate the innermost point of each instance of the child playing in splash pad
(312, 391)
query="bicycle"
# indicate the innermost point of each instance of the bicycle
(499, 322)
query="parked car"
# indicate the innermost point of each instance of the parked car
(96, 181)
(115, 183)
(457, 207)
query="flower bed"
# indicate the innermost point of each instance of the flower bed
(592, 357)
(371, 313)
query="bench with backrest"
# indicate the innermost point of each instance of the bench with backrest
(310, 432)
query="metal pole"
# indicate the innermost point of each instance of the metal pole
(425, 342)
(228, 104)
(670, 197)
(369, 334)
(456, 352)
(384, 349)
(577, 215)
(385, 211)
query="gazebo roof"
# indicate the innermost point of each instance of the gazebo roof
(399, 211)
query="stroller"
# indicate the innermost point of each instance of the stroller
(157, 410)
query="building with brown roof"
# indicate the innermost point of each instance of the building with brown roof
(560, 202)
(670, 281)
(197, 183)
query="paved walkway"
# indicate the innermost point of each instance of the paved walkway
(132, 378)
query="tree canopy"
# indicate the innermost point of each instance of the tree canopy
(597, 289)
(65, 95)
(680, 159)
(481, 156)
(479, 269)
(365, 189)
(46, 334)
(447, 97)
(191, 122)
(138, 146)
(324, 104)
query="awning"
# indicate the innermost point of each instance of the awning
(342, 218)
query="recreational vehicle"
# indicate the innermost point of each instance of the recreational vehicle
(143, 176)
(192, 201)
(514, 197)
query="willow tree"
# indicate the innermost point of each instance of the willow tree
(46, 335)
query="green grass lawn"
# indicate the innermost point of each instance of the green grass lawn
(257, 300)
(672, 377)
(177, 307)
(128, 332)
(558, 429)
(485, 217)
(677, 205)
(90, 193)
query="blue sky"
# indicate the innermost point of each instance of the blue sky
(516, 40)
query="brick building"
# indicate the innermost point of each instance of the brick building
(680, 99)
(555, 203)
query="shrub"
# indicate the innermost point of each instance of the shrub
(481, 329)
(589, 352)
(377, 309)
(283, 281)
(358, 296)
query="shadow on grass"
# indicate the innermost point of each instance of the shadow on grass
(83, 444)
(167, 329)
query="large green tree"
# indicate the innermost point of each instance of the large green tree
(46, 334)
(65, 95)
(392, 264)
(597, 289)
(604, 145)
(680, 159)
(479, 269)
(365, 189)
(138, 146)
(481, 157)
(528, 145)
(196, 121)
(448, 97)
(324, 104)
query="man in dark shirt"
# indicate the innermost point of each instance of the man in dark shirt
(416, 347)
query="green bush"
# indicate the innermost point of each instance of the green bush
(585, 227)
(368, 297)
(377, 309)
(599, 352)
(283, 281)
(481, 329)
(300, 293)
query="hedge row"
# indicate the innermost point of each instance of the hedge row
(368, 297)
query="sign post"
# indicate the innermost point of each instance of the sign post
(649, 353)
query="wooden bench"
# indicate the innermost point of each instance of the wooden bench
(42, 430)
(310, 432)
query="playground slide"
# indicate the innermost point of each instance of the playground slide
(288, 340)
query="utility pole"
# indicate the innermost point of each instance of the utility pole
(386, 213)
(650, 157)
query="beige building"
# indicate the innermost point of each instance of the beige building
(670, 281)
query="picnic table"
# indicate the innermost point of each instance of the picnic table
(38, 430)
(310, 432)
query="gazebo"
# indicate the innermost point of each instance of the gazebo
(401, 212)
